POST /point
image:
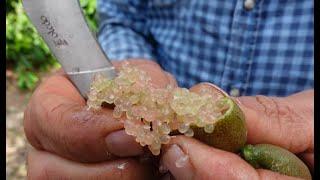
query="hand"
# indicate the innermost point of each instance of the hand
(286, 122)
(43, 165)
(66, 135)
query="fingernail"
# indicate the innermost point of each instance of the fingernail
(121, 144)
(177, 162)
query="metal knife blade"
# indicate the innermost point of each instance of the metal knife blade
(63, 27)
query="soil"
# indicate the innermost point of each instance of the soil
(16, 142)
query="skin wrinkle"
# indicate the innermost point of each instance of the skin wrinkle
(293, 120)
(74, 138)
(34, 129)
(61, 112)
(87, 120)
(47, 131)
(56, 139)
(271, 109)
(98, 118)
(260, 102)
(278, 119)
(295, 123)
(288, 121)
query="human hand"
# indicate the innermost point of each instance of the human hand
(66, 135)
(286, 122)
(42, 165)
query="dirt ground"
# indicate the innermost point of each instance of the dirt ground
(15, 139)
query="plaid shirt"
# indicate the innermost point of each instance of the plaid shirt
(249, 48)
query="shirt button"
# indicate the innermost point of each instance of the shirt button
(249, 4)
(235, 92)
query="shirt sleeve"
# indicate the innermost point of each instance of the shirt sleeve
(123, 32)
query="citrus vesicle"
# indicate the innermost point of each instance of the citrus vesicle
(230, 132)
(151, 114)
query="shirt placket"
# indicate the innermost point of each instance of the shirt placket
(237, 69)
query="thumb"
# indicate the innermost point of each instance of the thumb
(187, 158)
(280, 121)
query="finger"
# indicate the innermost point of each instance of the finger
(118, 143)
(278, 121)
(172, 81)
(57, 120)
(43, 165)
(205, 162)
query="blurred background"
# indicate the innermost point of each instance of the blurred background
(28, 61)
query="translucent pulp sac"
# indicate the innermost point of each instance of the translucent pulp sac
(152, 114)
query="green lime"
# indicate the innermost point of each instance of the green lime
(277, 159)
(230, 132)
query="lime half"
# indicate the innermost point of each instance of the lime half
(230, 132)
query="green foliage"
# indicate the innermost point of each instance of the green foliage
(26, 52)
(89, 9)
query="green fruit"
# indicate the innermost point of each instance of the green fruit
(230, 132)
(276, 159)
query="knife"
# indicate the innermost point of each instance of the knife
(62, 25)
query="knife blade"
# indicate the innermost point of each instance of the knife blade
(62, 25)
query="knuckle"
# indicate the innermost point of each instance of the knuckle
(270, 107)
(287, 121)
(276, 109)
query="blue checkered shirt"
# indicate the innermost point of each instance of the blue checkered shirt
(267, 49)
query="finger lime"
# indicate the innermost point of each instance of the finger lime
(230, 132)
(150, 114)
(276, 159)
